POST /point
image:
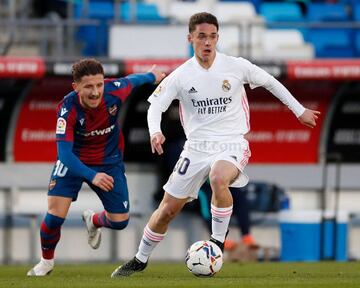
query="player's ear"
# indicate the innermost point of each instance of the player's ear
(189, 37)
(74, 86)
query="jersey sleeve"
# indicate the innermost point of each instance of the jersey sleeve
(122, 87)
(252, 74)
(165, 93)
(256, 77)
(141, 79)
(66, 120)
(73, 163)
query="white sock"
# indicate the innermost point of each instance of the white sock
(220, 222)
(49, 262)
(148, 242)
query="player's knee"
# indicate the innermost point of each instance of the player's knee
(52, 221)
(166, 214)
(217, 181)
(118, 225)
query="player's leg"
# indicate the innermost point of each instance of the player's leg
(242, 214)
(189, 174)
(158, 223)
(63, 189)
(154, 232)
(227, 169)
(50, 231)
(221, 175)
(116, 207)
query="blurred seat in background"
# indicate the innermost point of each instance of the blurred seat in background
(281, 11)
(244, 27)
(334, 41)
(141, 12)
(181, 11)
(331, 43)
(235, 12)
(285, 44)
(95, 39)
(356, 17)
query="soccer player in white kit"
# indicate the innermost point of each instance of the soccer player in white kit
(214, 112)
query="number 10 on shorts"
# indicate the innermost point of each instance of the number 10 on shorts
(182, 165)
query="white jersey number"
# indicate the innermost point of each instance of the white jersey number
(60, 169)
(182, 165)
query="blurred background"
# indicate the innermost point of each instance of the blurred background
(304, 195)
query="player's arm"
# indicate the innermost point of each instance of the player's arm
(160, 101)
(73, 163)
(153, 76)
(157, 138)
(64, 139)
(259, 77)
(306, 116)
(122, 87)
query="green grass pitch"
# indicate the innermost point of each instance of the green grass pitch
(274, 274)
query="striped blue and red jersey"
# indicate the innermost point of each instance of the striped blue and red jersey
(94, 136)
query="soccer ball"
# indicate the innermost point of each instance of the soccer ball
(204, 258)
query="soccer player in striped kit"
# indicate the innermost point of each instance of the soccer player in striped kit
(215, 115)
(90, 149)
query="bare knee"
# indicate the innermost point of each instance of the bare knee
(217, 181)
(166, 214)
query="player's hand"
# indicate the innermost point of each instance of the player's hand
(156, 141)
(159, 75)
(309, 117)
(103, 181)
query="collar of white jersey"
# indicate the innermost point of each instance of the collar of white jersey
(214, 64)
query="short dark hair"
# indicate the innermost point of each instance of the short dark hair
(86, 67)
(200, 18)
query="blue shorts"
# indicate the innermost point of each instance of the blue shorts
(66, 184)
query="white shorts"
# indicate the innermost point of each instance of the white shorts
(196, 161)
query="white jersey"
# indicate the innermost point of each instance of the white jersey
(213, 102)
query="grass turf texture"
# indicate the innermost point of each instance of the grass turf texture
(323, 274)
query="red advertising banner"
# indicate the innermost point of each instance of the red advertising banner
(324, 69)
(141, 66)
(35, 67)
(276, 135)
(22, 67)
(35, 129)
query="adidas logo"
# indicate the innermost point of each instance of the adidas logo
(192, 90)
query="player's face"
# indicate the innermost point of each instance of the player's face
(204, 39)
(90, 89)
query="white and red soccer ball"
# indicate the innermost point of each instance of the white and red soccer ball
(204, 258)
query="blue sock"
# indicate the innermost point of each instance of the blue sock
(100, 220)
(50, 232)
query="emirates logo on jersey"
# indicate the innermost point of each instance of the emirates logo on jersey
(211, 106)
(226, 86)
(112, 110)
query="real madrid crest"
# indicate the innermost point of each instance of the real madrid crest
(226, 86)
